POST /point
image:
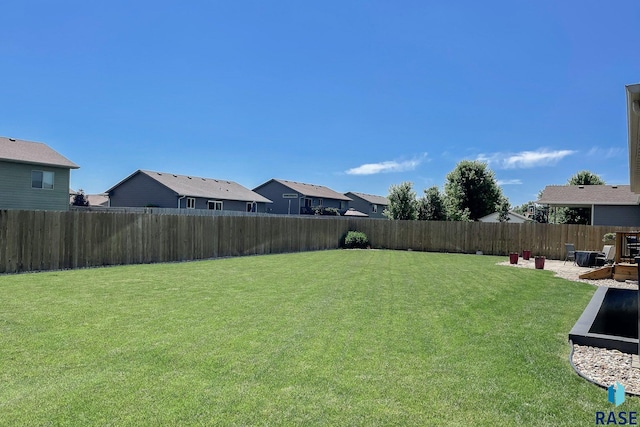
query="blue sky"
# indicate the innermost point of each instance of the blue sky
(354, 95)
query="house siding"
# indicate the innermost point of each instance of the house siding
(16, 191)
(622, 216)
(141, 191)
(227, 205)
(365, 206)
(274, 191)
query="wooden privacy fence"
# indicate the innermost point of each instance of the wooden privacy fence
(52, 240)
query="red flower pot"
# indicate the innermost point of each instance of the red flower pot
(526, 255)
(539, 262)
(513, 258)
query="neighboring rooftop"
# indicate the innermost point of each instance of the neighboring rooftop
(194, 186)
(588, 195)
(376, 200)
(310, 190)
(37, 153)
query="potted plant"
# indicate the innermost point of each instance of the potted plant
(513, 257)
(539, 261)
(609, 238)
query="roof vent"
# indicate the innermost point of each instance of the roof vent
(175, 176)
(580, 186)
(12, 139)
(188, 177)
(614, 186)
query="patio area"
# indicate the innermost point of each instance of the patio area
(598, 365)
(570, 271)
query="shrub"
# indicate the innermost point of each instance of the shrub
(356, 239)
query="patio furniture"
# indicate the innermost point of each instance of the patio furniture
(608, 253)
(586, 258)
(570, 249)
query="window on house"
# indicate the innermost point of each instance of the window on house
(42, 179)
(374, 208)
(319, 202)
(250, 207)
(343, 204)
(191, 202)
(307, 203)
(214, 205)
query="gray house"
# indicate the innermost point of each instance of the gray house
(296, 198)
(33, 176)
(614, 205)
(369, 204)
(166, 190)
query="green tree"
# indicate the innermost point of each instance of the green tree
(79, 199)
(503, 210)
(431, 205)
(402, 202)
(579, 215)
(471, 191)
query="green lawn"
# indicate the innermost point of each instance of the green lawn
(322, 338)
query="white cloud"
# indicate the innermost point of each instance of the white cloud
(388, 166)
(607, 153)
(525, 159)
(509, 182)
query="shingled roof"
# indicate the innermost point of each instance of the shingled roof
(376, 200)
(37, 153)
(193, 186)
(588, 195)
(309, 190)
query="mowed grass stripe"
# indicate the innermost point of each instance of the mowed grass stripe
(319, 338)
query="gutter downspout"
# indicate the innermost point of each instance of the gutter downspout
(180, 198)
(593, 213)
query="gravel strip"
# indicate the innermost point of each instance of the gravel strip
(602, 366)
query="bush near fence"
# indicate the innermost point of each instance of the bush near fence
(52, 240)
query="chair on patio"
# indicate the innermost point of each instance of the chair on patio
(570, 248)
(607, 254)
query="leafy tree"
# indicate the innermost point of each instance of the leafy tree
(585, 177)
(579, 215)
(431, 205)
(472, 188)
(523, 208)
(402, 202)
(79, 199)
(503, 210)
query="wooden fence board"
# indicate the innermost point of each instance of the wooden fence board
(43, 240)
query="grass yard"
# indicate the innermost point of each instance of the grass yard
(320, 338)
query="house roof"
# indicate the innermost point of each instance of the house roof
(353, 212)
(37, 153)
(511, 215)
(376, 200)
(588, 195)
(193, 186)
(309, 190)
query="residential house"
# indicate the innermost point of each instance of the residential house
(371, 205)
(296, 198)
(514, 218)
(166, 190)
(613, 205)
(33, 176)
